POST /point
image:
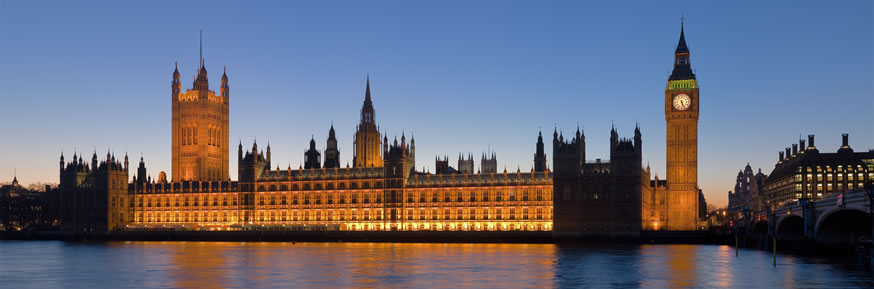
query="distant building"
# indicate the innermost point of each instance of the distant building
(747, 191)
(22, 208)
(802, 172)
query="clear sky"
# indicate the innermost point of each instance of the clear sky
(462, 76)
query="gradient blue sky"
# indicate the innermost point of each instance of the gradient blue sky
(462, 76)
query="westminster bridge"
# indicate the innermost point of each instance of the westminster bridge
(837, 220)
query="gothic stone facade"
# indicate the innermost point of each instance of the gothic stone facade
(200, 129)
(597, 199)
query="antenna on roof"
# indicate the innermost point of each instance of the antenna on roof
(201, 47)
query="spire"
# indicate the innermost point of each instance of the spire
(682, 66)
(681, 46)
(201, 81)
(367, 100)
(367, 117)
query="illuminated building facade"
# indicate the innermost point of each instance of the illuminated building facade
(382, 190)
(200, 130)
(802, 172)
(200, 123)
(389, 196)
(675, 205)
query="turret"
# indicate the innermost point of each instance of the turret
(176, 85)
(614, 138)
(268, 154)
(94, 160)
(142, 177)
(225, 89)
(638, 140)
(312, 156)
(539, 155)
(201, 82)
(240, 152)
(332, 154)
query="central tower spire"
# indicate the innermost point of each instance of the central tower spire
(367, 108)
(367, 142)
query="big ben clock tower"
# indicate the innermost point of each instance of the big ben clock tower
(681, 115)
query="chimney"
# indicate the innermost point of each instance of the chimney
(810, 141)
(845, 140)
(795, 148)
(787, 153)
(781, 158)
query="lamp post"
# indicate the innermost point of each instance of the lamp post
(870, 190)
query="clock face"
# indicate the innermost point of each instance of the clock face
(682, 101)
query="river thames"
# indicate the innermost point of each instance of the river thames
(55, 264)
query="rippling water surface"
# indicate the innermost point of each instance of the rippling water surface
(329, 265)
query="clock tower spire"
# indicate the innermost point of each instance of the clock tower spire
(681, 116)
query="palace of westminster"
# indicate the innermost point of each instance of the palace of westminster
(382, 190)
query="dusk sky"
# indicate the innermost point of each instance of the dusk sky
(460, 76)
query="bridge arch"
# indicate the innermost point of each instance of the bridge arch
(789, 227)
(760, 227)
(842, 226)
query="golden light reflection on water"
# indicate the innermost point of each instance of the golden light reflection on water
(339, 265)
(681, 262)
(221, 265)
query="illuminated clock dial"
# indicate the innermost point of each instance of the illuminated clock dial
(682, 101)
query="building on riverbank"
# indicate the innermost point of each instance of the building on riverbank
(23, 208)
(803, 172)
(382, 190)
(747, 193)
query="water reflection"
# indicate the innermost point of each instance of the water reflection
(282, 265)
